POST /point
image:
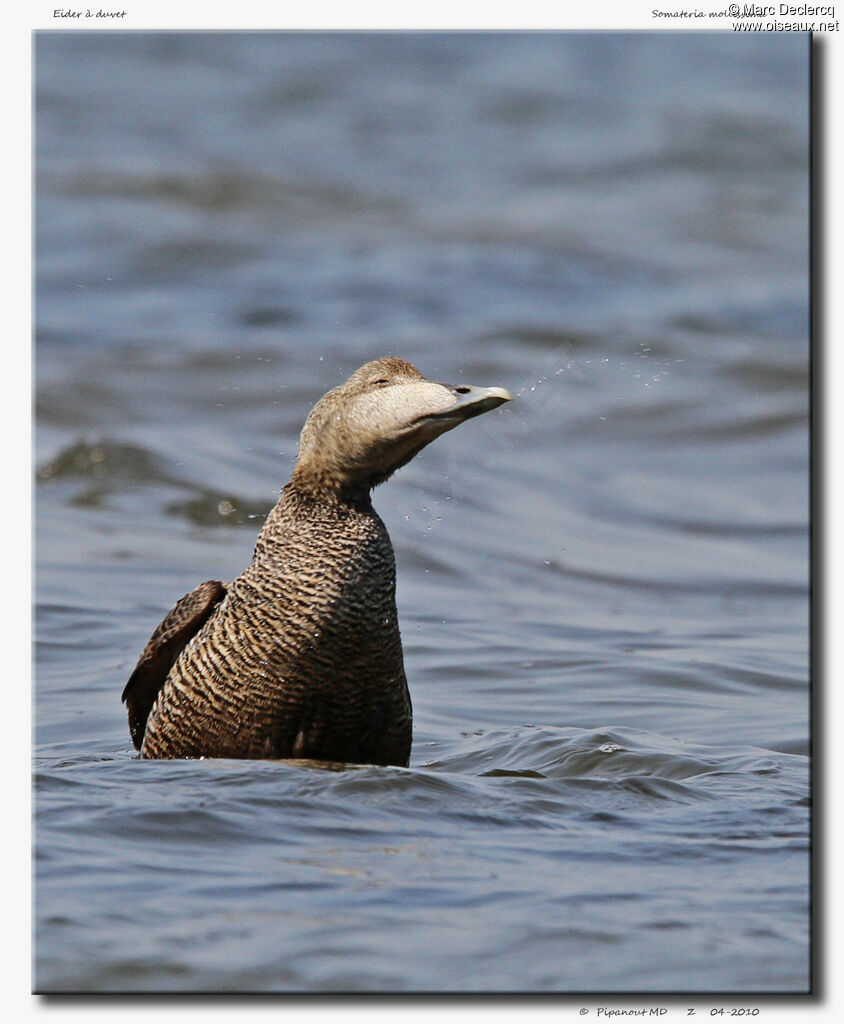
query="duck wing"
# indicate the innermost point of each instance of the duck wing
(180, 624)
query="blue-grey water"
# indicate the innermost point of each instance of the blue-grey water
(603, 587)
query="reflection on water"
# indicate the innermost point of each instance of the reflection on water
(602, 587)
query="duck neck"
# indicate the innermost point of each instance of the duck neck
(324, 486)
(302, 511)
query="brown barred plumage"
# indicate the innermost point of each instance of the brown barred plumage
(301, 656)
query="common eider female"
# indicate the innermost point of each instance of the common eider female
(300, 656)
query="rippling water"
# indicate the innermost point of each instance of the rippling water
(603, 587)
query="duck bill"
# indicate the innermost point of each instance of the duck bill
(470, 401)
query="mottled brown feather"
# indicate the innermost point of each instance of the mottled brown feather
(165, 645)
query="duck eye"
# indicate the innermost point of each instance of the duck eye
(376, 383)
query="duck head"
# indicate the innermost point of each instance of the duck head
(360, 433)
